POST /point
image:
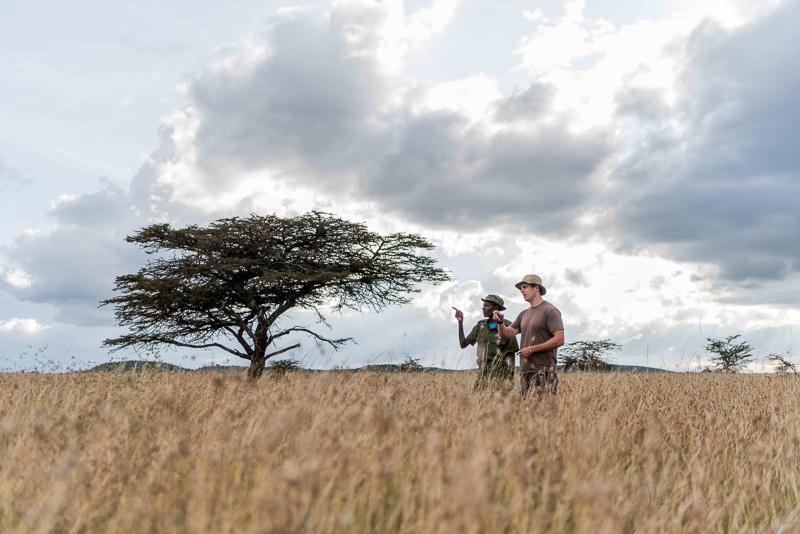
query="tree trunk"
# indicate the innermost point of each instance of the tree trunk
(259, 355)
(259, 360)
(256, 368)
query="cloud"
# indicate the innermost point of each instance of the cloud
(443, 172)
(72, 265)
(718, 178)
(470, 97)
(26, 326)
(104, 207)
(286, 10)
(438, 302)
(15, 277)
(535, 15)
(704, 163)
(553, 47)
(320, 120)
(607, 293)
(384, 30)
(308, 100)
(325, 115)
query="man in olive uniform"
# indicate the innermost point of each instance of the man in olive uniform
(495, 355)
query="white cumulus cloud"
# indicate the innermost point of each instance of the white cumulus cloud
(27, 326)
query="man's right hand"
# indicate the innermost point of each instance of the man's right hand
(498, 317)
(459, 315)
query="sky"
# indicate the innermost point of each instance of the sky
(642, 157)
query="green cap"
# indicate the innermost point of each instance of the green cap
(494, 299)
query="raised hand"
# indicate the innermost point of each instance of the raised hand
(497, 317)
(459, 315)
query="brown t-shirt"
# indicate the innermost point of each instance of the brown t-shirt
(537, 325)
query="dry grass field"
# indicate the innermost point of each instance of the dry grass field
(379, 452)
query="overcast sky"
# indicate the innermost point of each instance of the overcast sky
(642, 157)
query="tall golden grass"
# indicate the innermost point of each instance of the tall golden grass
(375, 452)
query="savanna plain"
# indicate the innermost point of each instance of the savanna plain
(397, 452)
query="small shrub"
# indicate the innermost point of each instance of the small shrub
(284, 365)
(410, 365)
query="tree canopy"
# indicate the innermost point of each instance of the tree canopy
(228, 285)
(729, 356)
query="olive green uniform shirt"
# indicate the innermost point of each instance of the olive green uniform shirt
(492, 349)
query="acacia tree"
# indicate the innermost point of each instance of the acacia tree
(229, 285)
(781, 364)
(729, 356)
(588, 355)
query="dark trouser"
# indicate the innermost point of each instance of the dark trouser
(545, 382)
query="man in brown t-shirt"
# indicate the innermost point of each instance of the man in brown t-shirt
(542, 333)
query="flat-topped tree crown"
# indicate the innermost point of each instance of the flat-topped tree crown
(728, 355)
(227, 285)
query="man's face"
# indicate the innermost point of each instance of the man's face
(527, 291)
(489, 308)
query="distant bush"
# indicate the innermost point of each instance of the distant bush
(284, 365)
(588, 355)
(410, 365)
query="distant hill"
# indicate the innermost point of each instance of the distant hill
(137, 365)
(639, 369)
(221, 369)
(140, 365)
(625, 369)
(394, 368)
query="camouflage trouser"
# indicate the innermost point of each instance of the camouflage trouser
(545, 382)
(492, 373)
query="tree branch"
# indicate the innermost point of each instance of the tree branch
(193, 346)
(335, 343)
(268, 356)
(238, 336)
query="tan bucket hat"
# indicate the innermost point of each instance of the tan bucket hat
(532, 279)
